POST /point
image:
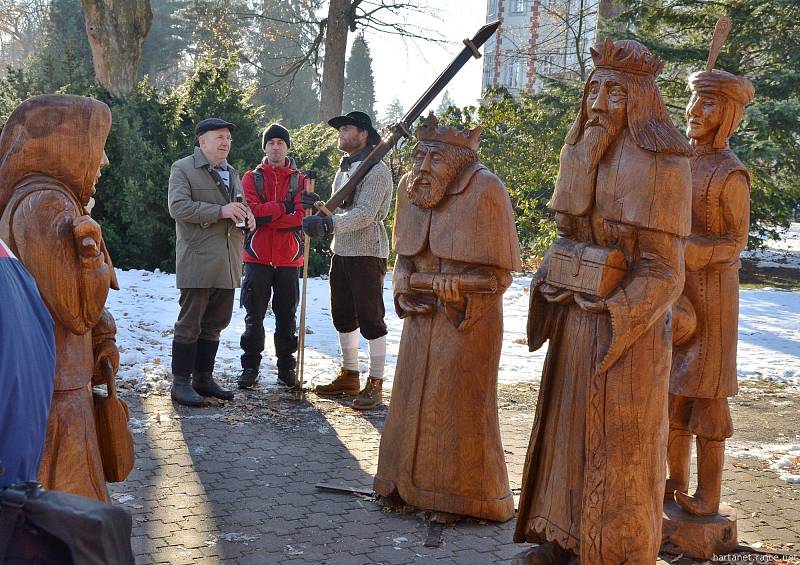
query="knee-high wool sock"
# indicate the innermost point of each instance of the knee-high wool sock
(377, 357)
(349, 344)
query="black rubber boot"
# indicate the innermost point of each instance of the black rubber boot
(286, 371)
(205, 385)
(183, 355)
(288, 377)
(248, 377)
(203, 375)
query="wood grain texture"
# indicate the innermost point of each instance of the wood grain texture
(593, 475)
(114, 438)
(51, 149)
(441, 447)
(703, 374)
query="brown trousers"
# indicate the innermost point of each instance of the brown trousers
(205, 312)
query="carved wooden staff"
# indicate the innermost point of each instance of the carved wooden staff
(310, 182)
(721, 31)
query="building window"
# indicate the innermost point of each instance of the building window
(514, 74)
(492, 8)
(488, 70)
(518, 6)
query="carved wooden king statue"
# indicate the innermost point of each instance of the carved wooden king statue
(51, 151)
(704, 355)
(593, 475)
(456, 246)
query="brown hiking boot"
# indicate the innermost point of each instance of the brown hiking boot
(345, 383)
(371, 396)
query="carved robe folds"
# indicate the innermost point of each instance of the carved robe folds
(75, 292)
(705, 366)
(441, 447)
(50, 151)
(594, 472)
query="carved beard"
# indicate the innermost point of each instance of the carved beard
(598, 136)
(426, 190)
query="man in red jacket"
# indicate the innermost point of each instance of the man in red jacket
(272, 255)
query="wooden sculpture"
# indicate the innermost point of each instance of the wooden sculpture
(594, 471)
(51, 151)
(114, 437)
(456, 246)
(706, 316)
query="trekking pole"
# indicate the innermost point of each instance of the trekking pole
(310, 182)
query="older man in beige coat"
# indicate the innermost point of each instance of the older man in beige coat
(209, 226)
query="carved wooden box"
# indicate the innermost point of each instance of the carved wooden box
(589, 269)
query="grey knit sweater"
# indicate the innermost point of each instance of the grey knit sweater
(358, 230)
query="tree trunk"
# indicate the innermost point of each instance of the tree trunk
(116, 30)
(607, 24)
(332, 89)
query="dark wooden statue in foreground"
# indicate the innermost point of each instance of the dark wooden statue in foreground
(456, 246)
(51, 152)
(593, 476)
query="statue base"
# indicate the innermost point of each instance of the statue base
(698, 537)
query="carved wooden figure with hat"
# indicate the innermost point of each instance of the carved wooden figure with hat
(703, 374)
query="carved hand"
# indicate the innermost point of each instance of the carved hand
(591, 304)
(87, 236)
(412, 305)
(697, 252)
(107, 350)
(447, 288)
(555, 294)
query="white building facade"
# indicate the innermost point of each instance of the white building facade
(538, 39)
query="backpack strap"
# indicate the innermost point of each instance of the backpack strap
(294, 182)
(258, 179)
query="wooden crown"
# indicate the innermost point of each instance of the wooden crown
(430, 130)
(627, 56)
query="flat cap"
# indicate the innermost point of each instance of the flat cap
(211, 124)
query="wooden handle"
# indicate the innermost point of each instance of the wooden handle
(721, 31)
(322, 208)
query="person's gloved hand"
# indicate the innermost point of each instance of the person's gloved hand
(288, 203)
(309, 198)
(316, 226)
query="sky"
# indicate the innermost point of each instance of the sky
(404, 68)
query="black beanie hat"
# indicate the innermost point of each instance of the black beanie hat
(275, 130)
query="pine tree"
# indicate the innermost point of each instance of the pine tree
(394, 113)
(762, 46)
(63, 61)
(359, 90)
(166, 44)
(446, 103)
(288, 94)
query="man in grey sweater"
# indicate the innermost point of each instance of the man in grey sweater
(358, 267)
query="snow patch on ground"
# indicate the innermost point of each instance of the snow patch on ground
(784, 252)
(147, 305)
(784, 459)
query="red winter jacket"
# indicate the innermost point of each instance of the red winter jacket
(277, 239)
